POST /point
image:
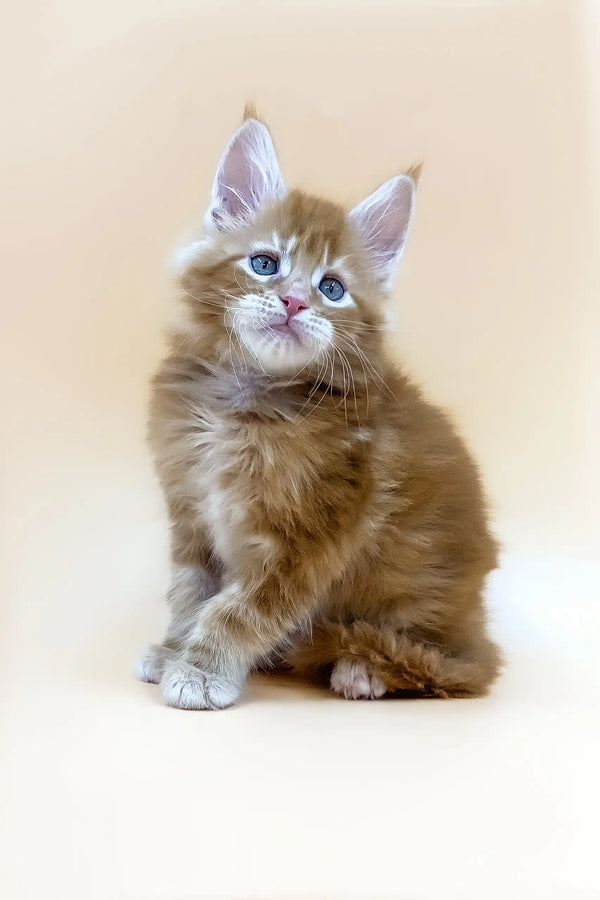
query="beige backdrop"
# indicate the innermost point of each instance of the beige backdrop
(114, 116)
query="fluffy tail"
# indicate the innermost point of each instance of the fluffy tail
(401, 662)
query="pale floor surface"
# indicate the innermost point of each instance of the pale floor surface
(108, 795)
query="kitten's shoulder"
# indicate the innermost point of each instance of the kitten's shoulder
(421, 424)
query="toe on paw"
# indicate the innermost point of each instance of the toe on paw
(352, 680)
(149, 667)
(187, 687)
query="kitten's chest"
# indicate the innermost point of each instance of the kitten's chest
(246, 475)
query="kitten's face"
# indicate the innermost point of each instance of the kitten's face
(297, 280)
(297, 284)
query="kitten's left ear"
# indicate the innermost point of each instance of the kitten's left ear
(382, 221)
(248, 176)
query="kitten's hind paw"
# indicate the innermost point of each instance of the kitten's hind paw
(187, 687)
(352, 680)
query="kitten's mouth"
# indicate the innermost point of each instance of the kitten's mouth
(285, 332)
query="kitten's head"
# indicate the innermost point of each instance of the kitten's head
(283, 280)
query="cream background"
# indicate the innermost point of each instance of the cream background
(114, 116)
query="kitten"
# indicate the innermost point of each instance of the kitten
(324, 517)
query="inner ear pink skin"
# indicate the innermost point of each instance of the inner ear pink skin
(293, 305)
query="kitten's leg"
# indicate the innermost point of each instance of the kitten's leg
(234, 630)
(190, 586)
(364, 661)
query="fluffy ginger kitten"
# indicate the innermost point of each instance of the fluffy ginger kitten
(324, 517)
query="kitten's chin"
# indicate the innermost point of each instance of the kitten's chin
(278, 350)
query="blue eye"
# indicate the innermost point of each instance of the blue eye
(264, 265)
(332, 289)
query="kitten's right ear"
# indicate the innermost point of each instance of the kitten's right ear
(248, 176)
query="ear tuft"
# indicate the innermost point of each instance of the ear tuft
(248, 176)
(250, 112)
(382, 222)
(415, 172)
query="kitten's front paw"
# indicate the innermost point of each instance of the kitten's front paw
(351, 679)
(187, 687)
(150, 666)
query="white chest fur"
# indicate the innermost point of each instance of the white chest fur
(223, 503)
(232, 454)
(216, 508)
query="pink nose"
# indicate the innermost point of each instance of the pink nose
(293, 305)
